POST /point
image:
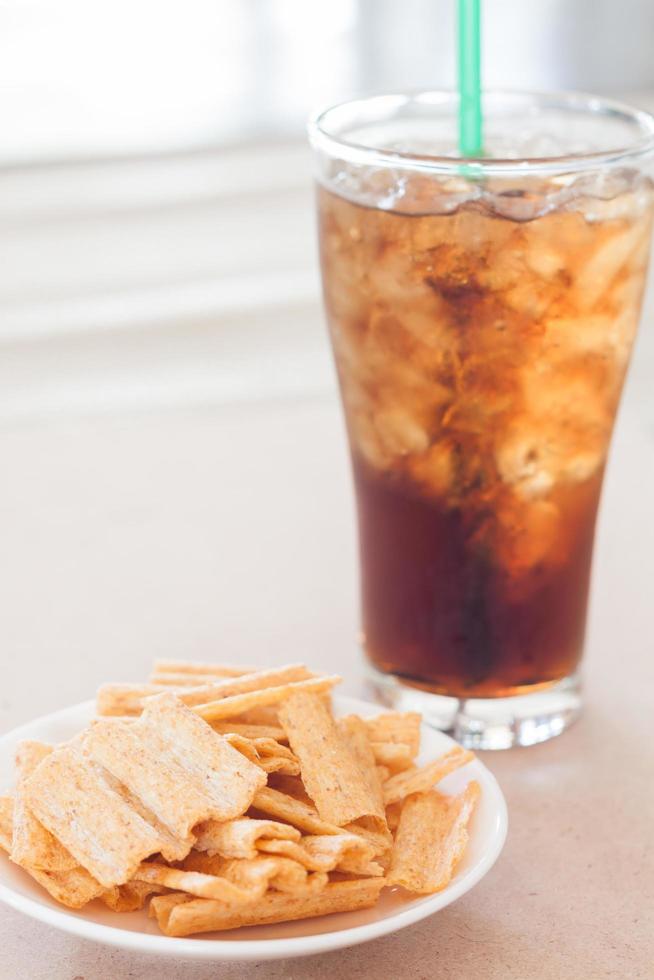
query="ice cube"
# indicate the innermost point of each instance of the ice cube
(577, 335)
(504, 268)
(523, 461)
(581, 465)
(395, 357)
(428, 328)
(566, 391)
(365, 438)
(598, 272)
(530, 297)
(610, 336)
(399, 432)
(428, 233)
(545, 260)
(529, 534)
(547, 448)
(393, 278)
(434, 469)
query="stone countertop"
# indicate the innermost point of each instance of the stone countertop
(229, 533)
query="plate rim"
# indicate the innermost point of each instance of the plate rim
(261, 949)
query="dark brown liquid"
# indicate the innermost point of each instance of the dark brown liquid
(438, 610)
(480, 360)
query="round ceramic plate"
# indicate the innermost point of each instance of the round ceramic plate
(135, 931)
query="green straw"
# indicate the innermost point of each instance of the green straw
(470, 122)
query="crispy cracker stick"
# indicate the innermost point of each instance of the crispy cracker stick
(250, 731)
(355, 734)
(297, 852)
(300, 814)
(107, 837)
(185, 918)
(321, 852)
(380, 841)
(295, 811)
(127, 700)
(199, 884)
(190, 667)
(124, 699)
(180, 769)
(130, 897)
(396, 726)
(291, 786)
(303, 815)
(283, 792)
(73, 888)
(185, 681)
(271, 747)
(420, 780)
(274, 757)
(395, 756)
(333, 777)
(259, 681)
(238, 838)
(353, 865)
(259, 749)
(262, 715)
(264, 871)
(32, 845)
(279, 763)
(393, 811)
(228, 707)
(166, 902)
(263, 756)
(431, 838)
(243, 745)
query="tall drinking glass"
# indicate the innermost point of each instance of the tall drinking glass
(482, 315)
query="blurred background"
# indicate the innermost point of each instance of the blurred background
(172, 450)
(155, 213)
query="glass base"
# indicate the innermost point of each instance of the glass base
(487, 723)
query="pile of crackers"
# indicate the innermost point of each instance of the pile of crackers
(225, 796)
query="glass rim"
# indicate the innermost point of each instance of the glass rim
(321, 139)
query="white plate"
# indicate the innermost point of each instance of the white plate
(134, 930)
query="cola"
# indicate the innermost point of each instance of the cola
(481, 343)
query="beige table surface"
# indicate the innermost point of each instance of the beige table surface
(229, 533)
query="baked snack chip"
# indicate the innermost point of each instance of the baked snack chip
(107, 837)
(226, 796)
(182, 771)
(431, 838)
(33, 846)
(258, 681)
(125, 700)
(417, 780)
(164, 669)
(73, 888)
(239, 838)
(396, 726)
(336, 781)
(184, 918)
(229, 707)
